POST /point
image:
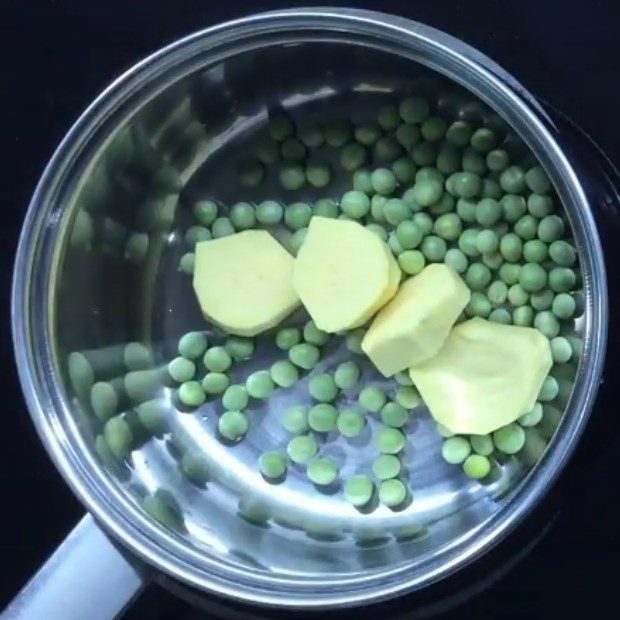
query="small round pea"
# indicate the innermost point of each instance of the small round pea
(243, 216)
(509, 439)
(459, 133)
(500, 315)
(347, 375)
(280, 126)
(325, 207)
(481, 444)
(239, 348)
(338, 132)
(267, 151)
(517, 295)
(394, 244)
(287, 337)
(269, 212)
(455, 450)
(323, 388)
(383, 181)
(411, 261)
(314, 335)
(395, 211)
(304, 355)
(322, 471)
(187, 263)
(388, 118)
(562, 253)
(403, 378)
(350, 423)
(448, 226)
(511, 247)
(487, 242)
(562, 279)
(550, 228)
(297, 215)
(355, 204)
(479, 305)
(353, 341)
(217, 359)
(372, 399)
(537, 180)
(467, 184)
(408, 135)
(477, 276)
(423, 221)
(318, 173)
(409, 234)
(215, 383)
(181, 369)
(535, 251)
(367, 133)
(532, 417)
(434, 129)
(292, 176)
(488, 212)
(386, 149)
(532, 277)
(386, 466)
(191, 394)
(392, 493)
(429, 173)
(491, 189)
(509, 273)
(272, 465)
(434, 248)
(526, 227)
(394, 415)
(477, 466)
(414, 109)
(251, 172)
(563, 306)
(205, 211)
(118, 436)
(404, 170)
(322, 418)
(408, 397)
(523, 316)
(195, 467)
(192, 345)
(513, 207)
(561, 350)
(497, 160)
(541, 300)
(235, 398)
(259, 384)
(296, 419)
(284, 374)
(362, 181)
(196, 234)
(427, 192)
(539, 206)
(456, 259)
(233, 425)
(483, 140)
(467, 242)
(358, 490)
(493, 261)
(473, 162)
(512, 180)
(302, 448)
(390, 440)
(549, 389)
(547, 323)
(311, 136)
(353, 156)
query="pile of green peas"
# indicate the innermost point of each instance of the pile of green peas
(434, 189)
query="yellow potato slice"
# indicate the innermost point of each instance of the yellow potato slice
(244, 282)
(484, 377)
(415, 323)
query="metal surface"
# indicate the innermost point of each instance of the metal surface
(168, 132)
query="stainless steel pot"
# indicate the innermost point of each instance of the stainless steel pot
(96, 269)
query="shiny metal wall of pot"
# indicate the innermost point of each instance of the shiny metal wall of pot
(96, 266)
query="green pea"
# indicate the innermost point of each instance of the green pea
(205, 211)
(423, 221)
(152, 415)
(338, 132)
(118, 436)
(562, 279)
(561, 350)
(455, 450)
(297, 215)
(350, 423)
(404, 170)
(456, 260)
(517, 295)
(235, 398)
(424, 153)
(539, 206)
(541, 300)
(395, 211)
(181, 369)
(390, 440)
(500, 315)
(478, 305)
(283, 374)
(473, 162)
(287, 337)
(477, 466)
(355, 204)
(532, 277)
(493, 261)
(311, 136)
(414, 109)
(217, 359)
(448, 226)
(411, 261)
(323, 388)
(546, 323)
(481, 444)
(513, 207)
(466, 210)
(325, 207)
(426, 192)
(195, 467)
(260, 384)
(563, 306)
(318, 173)
(497, 160)
(304, 355)
(222, 227)
(353, 341)
(322, 418)
(550, 228)
(233, 425)
(434, 248)
(487, 242)
(293, 149)
(509, 273)
(192, 345)
(386, 150)
(526, 227)
(296, 419)
(408, 135)
(523, 316)
(372, 399)
(215, 383)
(292, 176)
(392, 493)
(386, 466)
(251, 172)
(448, 159)
(562, 253)
(511, 247)
(509, 439)
(429, 173)
(353, 156)
(347, 375)
(272, 465)
(196, 234)
(537, 180)
(377, 203)
(408, 234)
(408, 397)
(358, 490)
(467, 242)
(394, 415)
(269, 212)
(488, 212)
(280, 126)
(187, 263)
(483, 140)
(532, 417)
(403, 378)
(322, 471)
(191, 394)
(383, 181)
(549, 389)
(467, 184)
(239, 348)
(267, 151)
(367, 133)
(477, 276)
(459, 133)
(491, 189)
(535, 251)
(512, 180)
(434, 129)
(388, 118)
(314, 335)
(362, 181)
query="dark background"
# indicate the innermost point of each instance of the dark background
(58, 55)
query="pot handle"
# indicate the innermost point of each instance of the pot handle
(86, 577)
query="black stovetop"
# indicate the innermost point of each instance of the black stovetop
(58, 54)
